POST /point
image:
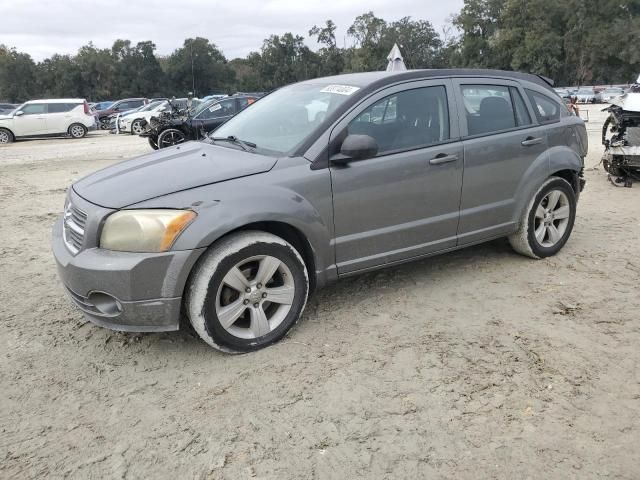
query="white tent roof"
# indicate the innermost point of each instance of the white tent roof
(396, 63)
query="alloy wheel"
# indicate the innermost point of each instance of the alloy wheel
(552, 218)
(136, 128)
(255, 296)
(4, 137)
(77, 131)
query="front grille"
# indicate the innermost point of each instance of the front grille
(73, 227)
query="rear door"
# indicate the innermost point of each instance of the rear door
(32, 121)
(59, 117)
(501, 143)
(404, 201)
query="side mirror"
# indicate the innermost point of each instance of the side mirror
(19, 113)
(357, 147)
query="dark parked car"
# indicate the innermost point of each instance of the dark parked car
(318, 181)
(195, 123)
(119, 106)
(7, 107)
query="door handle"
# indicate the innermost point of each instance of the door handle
(529, 141)
(443, 158)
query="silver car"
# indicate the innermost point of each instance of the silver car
(317, 181)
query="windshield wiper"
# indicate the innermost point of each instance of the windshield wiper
(236, 140)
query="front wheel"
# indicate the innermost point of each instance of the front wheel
(136, 127)
(170, 137)
(548, 220)
(77, 130)
(153, 142)
(104, 123)
(5, 136)
(247, 292)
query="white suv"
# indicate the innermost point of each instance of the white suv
(47, 118)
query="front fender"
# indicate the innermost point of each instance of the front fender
(296, 196)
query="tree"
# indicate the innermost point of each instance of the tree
(331, 58)
(17, 75)
(199, 66)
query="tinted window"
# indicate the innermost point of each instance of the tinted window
(547, 109)
(34, 108)
(488, 108)
(60, 107)
(217, 110)
(405, 120)
(136, 103)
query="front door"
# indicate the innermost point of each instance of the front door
(32, 121)
(404, 201)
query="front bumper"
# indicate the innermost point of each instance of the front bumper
(137, 292)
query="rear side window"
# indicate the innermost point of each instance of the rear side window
(135, 103)
(547, 110)
(489, 108)
(406, 120)
(61, 107)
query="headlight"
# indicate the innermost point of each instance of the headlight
(144, 230)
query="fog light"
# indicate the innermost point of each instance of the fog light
(105, 303)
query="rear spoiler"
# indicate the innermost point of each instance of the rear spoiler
(546, 80)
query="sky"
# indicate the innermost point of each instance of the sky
(44, 27)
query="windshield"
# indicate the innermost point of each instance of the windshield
(284, 119)
(150, 106)
(613, 90)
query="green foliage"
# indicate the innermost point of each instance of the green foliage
(572, 41)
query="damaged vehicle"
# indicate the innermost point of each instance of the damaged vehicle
(317, 181)
(179, 125)
(621, 138)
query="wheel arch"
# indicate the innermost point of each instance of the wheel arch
(13, 135)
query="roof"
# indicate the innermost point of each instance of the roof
(58, 100)
(379, 79)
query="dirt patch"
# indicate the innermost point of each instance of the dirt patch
(475, 364)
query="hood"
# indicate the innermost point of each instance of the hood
(5, 117)
(630, 101)
(169, 170)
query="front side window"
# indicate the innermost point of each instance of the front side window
(546, 109)
(405, 120)
(34, 108)
(489, 108)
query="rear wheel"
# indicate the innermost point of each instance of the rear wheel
(548, 220)
(5, 136)
(247, 291)
(170, 137)
(104, 123)
(77, 130)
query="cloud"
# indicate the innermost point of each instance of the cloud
(44, 27)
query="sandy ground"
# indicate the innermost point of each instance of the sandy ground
(475, 364)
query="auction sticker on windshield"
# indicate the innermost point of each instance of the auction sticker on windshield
(340, 89)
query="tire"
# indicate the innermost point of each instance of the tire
(104, 123)
(153, 142)
(77, 130)
(136, 127)
(170, 137)
(252, 322)
(5, 136)
(544, 230)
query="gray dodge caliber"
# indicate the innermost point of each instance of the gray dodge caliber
(319, 180)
